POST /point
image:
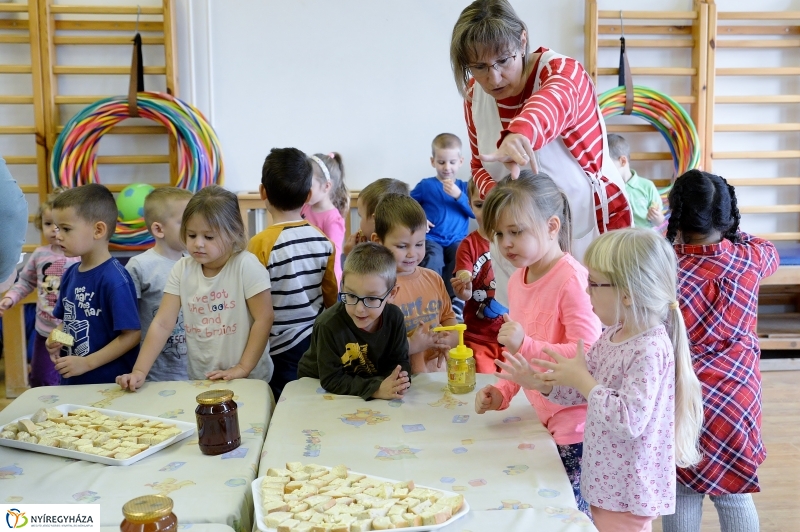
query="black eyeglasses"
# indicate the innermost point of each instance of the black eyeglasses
(500, 64)
(369, 301)
(592, 284)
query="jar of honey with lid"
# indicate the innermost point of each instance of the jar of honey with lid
(151, 513)
(217, 422)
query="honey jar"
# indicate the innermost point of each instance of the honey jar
(217, 422)
(151, 513)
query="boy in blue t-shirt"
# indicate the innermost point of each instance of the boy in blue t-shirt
(444, 199)
(97, 300)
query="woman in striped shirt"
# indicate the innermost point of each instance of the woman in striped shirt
(536, 109)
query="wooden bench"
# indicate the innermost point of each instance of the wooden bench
(251, 201)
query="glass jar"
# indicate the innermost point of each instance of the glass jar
(217, 422)
(151, 513)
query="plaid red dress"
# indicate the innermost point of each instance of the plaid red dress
(718, 295)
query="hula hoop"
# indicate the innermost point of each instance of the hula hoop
(74, 159)
(667, 116)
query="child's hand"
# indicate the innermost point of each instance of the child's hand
(519, 371)
(5, 304)
(71, 366)
(462, 290)
(54, 349)
(655, 215)
(236, 372)
(353, 240)
(423, 338)
(570, 372)
(131, 381)
(451, 189)
(394, 386)
(430, 226)
(439, 353)
(488, 398)
(511, 334)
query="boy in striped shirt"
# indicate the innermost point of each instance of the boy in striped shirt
(299, 259)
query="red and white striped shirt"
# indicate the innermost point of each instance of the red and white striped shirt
(564, 106)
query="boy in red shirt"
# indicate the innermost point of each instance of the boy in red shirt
(483, 316)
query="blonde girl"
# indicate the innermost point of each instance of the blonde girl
(224, 293)
(530, 221)
(42, 273)
(329, 202)
(644, 404)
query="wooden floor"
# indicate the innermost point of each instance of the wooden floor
(779, 502)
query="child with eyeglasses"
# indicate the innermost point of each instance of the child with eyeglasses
(359, 346)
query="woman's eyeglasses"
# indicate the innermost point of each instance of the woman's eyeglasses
(499, 65)
(369, 301)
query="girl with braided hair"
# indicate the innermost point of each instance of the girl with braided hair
(719, 270)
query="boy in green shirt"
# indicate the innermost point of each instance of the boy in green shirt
(642, 194)
(359, 346)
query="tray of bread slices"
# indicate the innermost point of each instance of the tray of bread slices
(93, 434)
(315, 498)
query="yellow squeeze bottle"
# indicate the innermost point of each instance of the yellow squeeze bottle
(460, 363)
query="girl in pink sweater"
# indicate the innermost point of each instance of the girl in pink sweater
(644, 405)
(329, 203)
(549, 308)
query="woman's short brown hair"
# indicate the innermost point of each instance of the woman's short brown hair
(484, 26)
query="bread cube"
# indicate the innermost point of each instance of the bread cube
(272, 520)
(294, 467)
(275, 506)
(288, 525)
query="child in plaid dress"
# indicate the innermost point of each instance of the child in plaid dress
(719, 270)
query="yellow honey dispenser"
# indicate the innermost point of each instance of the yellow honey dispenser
(460, 363)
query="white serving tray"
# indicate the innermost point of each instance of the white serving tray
(187, 429)
(259, 504)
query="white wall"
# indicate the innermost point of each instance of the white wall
(371, 79)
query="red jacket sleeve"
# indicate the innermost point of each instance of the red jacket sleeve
(564, 91)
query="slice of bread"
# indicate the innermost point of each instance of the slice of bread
(58, 336)
(464, 276)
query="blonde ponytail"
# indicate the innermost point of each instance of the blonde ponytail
(688, 394)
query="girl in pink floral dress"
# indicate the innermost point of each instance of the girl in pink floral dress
(644, 409)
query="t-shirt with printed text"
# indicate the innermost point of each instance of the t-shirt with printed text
(96, 306)
(215, 314)
(424, 301)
